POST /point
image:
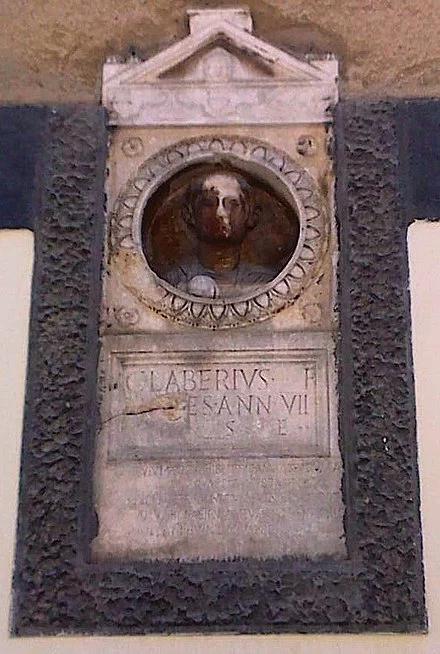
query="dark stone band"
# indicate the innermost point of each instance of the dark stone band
(380, 586)
(22, 148)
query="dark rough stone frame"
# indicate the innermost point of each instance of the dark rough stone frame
(380, 586)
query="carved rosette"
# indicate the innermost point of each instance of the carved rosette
(251, 155)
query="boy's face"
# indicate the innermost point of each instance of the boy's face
(220, 214)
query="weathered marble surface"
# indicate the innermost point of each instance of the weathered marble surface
(218, 404)
(172, 484)
(165, 488)
(221, 508)
(219, 433)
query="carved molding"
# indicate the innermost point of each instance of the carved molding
(254, 103)
(273, 165)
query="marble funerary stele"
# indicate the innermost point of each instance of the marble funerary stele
(218, 403)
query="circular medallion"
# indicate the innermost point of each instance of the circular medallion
(219, 232)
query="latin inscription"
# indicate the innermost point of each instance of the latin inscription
(224, 408)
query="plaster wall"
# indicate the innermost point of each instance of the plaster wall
(15, 278)
(53, 50)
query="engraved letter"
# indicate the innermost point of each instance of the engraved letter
(250, 381)
(205, 378)
(282, 427)
(153, 388)
(172, 382)
(261, 374)
(303, 405)
(306, 381)
(288, 406)
(221, 377)
(224, 406)
(192, 411)
(246, 407)
(188, 380)
(207, 405)
(260, 403)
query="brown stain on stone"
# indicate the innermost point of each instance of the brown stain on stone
(53, 51)
(171, 406)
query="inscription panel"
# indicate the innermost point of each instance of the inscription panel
(189, 404)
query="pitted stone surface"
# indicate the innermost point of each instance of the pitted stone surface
(383, 485)
(62, 361)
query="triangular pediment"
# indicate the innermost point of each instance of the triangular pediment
(220, 51)
(220, 74)
(219, 62)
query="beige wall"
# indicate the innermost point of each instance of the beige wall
(15, 274)
(52, 50)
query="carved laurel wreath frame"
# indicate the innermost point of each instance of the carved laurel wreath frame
(277, 168)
